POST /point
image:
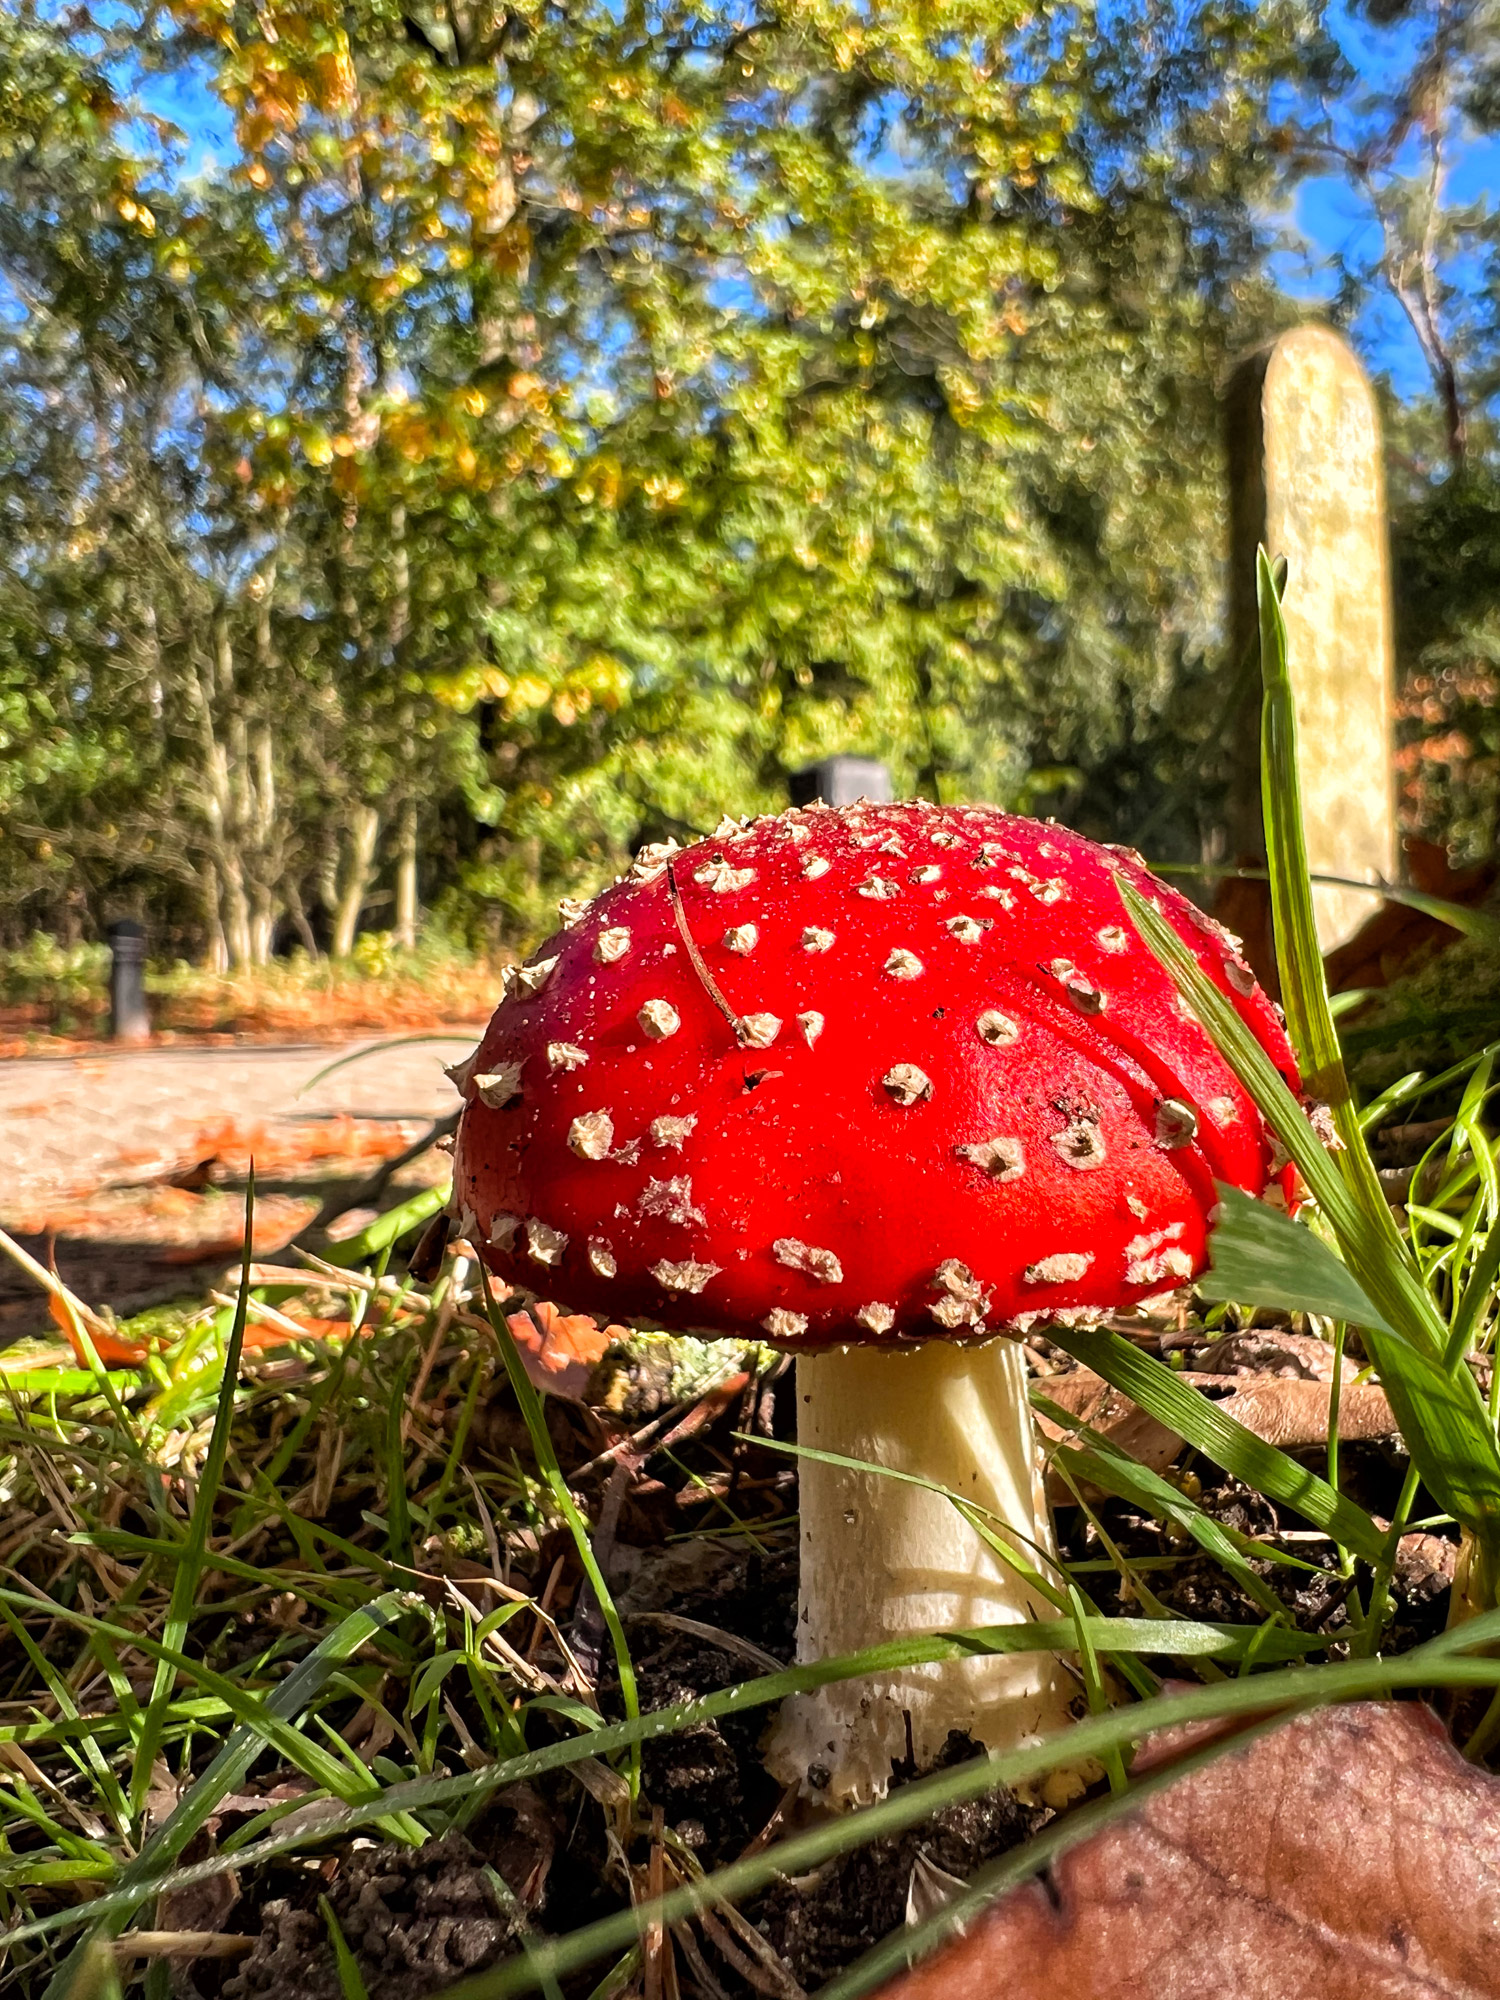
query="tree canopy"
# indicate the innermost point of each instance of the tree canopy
(443, 444)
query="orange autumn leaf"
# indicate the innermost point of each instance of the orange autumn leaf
(560, 1349)
(111, 1350)
(261, 1335)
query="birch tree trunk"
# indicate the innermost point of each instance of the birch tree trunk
(359, 866)
(406, 877)
(216, 958)
(291, 896)
(263, 842)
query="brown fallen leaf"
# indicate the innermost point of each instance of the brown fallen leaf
(1351, 1854)
(1272, 1350)
(1090, 1399)
(1287, 1411)
(1294, 1414)
(68, 1312)
(1425, 1565)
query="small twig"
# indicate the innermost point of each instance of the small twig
(786, 1807)
(710, 984)
(442, 1323)
(532, 1677)
(338, 1278)
(50, 1282)
(183, 1944)
(761, 1965)
(711, 1635)
(632, 1445)
(266, 1315)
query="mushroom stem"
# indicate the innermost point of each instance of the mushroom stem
(882, 1558)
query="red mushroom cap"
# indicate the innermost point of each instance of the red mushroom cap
(866, 1074)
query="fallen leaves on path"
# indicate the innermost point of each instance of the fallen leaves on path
(268, 1003)
(1351, 1854)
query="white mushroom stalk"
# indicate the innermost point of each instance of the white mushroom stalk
(886, 1559)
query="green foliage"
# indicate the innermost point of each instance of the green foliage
(544, 430)
(44, 972)
(1427, 1020)
(1447, 564)
(1428, 266)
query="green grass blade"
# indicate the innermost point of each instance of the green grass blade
(1180, 1638)
(1218, 1437)
(1476, 1296)
(224, 1775)
(351, 1984)
(1095, 1691)
(1386, 1271)
(1262, 1258)
(98, 1976)
(397, 1503)
(388, 1229)
(58, 1688)
(1299, 957)
(1094, 1458)
(530, 1403)
(1441, 1414)
(379, 1049)
(186, 1576)
(1458, 916)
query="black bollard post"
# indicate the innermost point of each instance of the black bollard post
(841, 781)
(128, 1019)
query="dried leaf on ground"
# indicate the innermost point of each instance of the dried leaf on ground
(560, 1349)
(1284, 1410)
(1272, 1350)
(1349, 1855)
(1094, 1403)
(1294, 1414)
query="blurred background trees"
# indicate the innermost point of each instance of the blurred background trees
(444, 444)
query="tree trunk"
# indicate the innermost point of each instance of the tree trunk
(264, 844)
(364, 832)
(237, 928)
(291, 895)
(216, 957)
(406, 877)
(219, 801)
(328, 871)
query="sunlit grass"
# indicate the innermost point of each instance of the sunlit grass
(221, 1562)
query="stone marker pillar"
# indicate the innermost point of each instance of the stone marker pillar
(129, 1018)
(841, 781)
(1306, 479)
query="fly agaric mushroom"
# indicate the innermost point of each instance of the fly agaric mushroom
(879, 1083)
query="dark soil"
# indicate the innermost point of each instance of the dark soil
(702, 1613)
(824, 1922)
(416, 1919)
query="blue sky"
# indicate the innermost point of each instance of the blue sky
(1332, 219)
(1325, 218)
